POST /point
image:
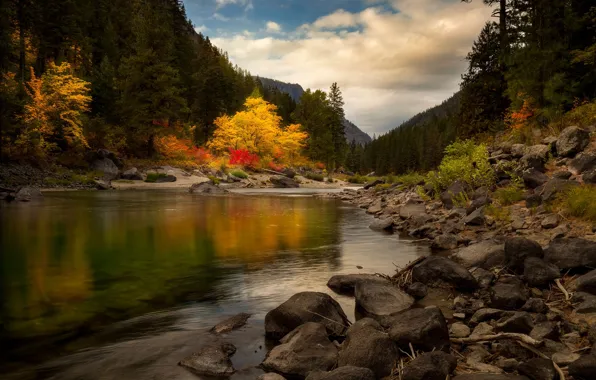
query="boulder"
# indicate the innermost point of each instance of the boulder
(518, 150)
(562, 174)
(305, 349)
(571, 253)
(517, 249)
(206, 188)
(584, 368)
(231, 323)
(417, 290)
(489, 376)
(271, 376)
(553, 187)
(436, 270)
(535, 157)
(572, 141)
(367, 346)
(538, 369)
(283, 182)
(290, 173)
(589, 176)
(436, 365)
(534, 178)
(166, 179)
(587, 282)
(445, 242)
(306, 307)
(343, 373)
(539, 273)
(372, 184)
(412, 210)
(485, 254)
(103, 185)
(484, 277)
(27, 194)
(377, 300)
(583, 162)
(212, 360)
(476, 218)
(457, 189)
(346, 283)
(550, 221)
(107, 167)
(132, 174)
(426, 329)
(381, 224)
(509, 293)
(519, 322)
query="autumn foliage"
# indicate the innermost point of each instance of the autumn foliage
(244, 158)
(519, 119)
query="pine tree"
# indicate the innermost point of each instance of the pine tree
(336, 125)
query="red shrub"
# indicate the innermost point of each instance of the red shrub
(243, 157)
(276, 167)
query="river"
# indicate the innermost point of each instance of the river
(124, 284)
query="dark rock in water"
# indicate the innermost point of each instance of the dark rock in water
(476, 218)
(271, 376)
(132, 174)
(212, 360)
(545, 330)
(425, 329)
(107, 167)
(445, 242)
(367, 346)
(456, 190)
(372, 184)
(587, 282)
(346, 283)
(167, 179)
(572, 141)
(417, 290)
(555, 186)
(485, 254)
(584, 368)
(508, 293)
(562, 174)
(381, 224)
(231, 323)
(488, 376)
(517, 249)
(103, 185)
(538, 369)
(436, 365)
(206, 188)
(283, 182)
(583, 162)
(483, 277)
(534, 178)
(343, 373)
(571, 253)
(539, 273)
(305, 349)
(436, 270)
(306, 307)
(535, 305)
(519, 322)
(27, 194)
(377, 300)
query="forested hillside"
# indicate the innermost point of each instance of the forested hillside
(533, 69)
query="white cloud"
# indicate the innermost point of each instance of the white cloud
(273, 27)
(222, 3)
(220, 17)
(389, 65)
(201, 29)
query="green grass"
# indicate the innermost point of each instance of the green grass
(410, 179)
(383, 186)
(153, 177)
(239, 173)
(357, 179)
(581, 202)
(213, 179)
(315, 177)
(509, 195)
(69, 178)
(499, 214)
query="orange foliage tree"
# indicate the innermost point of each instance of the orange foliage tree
(520, 118)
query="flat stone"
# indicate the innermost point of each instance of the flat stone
(436, 270)
(377, 300)
(346, 283)
(425, 329)
(459, 330)
(483, 328)
(538, 369)
(550, 221)
(508, 294)
(212, 360)
(571, 253)
(485, 254)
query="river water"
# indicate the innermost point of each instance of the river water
(124, 284)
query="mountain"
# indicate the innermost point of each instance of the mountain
(353, 133)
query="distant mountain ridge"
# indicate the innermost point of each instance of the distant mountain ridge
(353, 133)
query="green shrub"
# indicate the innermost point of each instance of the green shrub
(357, 179)
(330, 180)
(509, 195)
(213, 179)
(410, 179)
(315, 177)
(153, 177)
(583, 116)
(239, 173)
(499, 214)
(383, 186)
(580, 202)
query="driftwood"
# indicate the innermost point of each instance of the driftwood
(409, 267)
(273, 172)
(562, 289)
(515, 336)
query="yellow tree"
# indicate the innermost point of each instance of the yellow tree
(291, 142)
(54, 113)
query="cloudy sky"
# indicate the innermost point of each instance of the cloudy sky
(391, 58)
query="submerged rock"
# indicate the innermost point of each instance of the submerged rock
(377, 299)
(231, 323)
(381, 224)
(27, 194)
(212, 360)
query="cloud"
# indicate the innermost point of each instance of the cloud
(201, 29)
(220, 17)
(390, 63)
(273, 27)
(222, 3)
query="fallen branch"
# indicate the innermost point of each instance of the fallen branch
(535, 351)
(273, 172)
(515, 336)
(408, 267)
(562, 289)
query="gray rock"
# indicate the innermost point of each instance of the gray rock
(519, 322)
(107, 167)
(485, 254)
(587, 302)
(372, 184)
(231, 323)
(478, 203)
(589, 176)
(560, 231)
(27, 194)
(584, 368)
(508, 293)
(417, 290)
(565, 358)
(206, 188)
(168, 178)
(457, 189)
(302, 351)
(425, 329)
(436, 365)
(570, 253)
(381, 224)
(343, 373)
(436, 270)
(212, 360)
(375, 208)
(572, 141)
(517, 249)
(587, 282)
(377, 300)
(489, 376)
(550, 221)
(484, 277)
(346, 283)
(103, 185)
(459, 330)
(583, 162)
(562, 174)
(535, 305)
(486, 314)
(271, 376)
(412, 210)
(555, 186)
(482, 329)
(445, 242)
(538, 369)
(545, 330)
(534, 178)
(476, 218)
(518, 150)
(538, 273)
(533, 200)
(283, 182)
(367, 346)
(133, 174)
(306, 307)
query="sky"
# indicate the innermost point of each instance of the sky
(391, 58)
